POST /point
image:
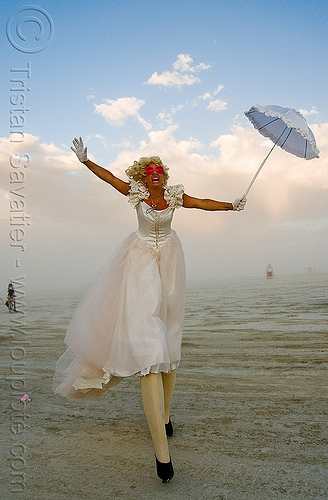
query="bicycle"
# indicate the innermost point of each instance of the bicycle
(11, 305)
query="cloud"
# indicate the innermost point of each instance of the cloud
(210, 95)
(32, 146)
(243, 150)
(184, 73)
(214, 104)
(166, 117)
(91, 95)
(183, 63)
(312, 111)
(172, 79)
(116, 112)
(217, 105)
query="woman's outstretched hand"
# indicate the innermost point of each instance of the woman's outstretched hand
(239, 203)
(79, 149)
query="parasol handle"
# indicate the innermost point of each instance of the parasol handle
(258, 170)
(265, 159)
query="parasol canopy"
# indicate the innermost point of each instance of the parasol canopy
(287, 128)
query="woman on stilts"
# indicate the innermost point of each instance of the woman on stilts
(130, 322)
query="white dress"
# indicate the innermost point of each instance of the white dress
(130, 322)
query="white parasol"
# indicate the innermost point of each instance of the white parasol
(287, 128)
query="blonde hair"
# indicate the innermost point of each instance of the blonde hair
(137, 170)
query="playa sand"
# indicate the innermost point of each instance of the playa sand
(249, 416)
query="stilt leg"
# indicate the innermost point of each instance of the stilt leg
(153, 402)
(168, 386)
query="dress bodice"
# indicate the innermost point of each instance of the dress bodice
(154, 225)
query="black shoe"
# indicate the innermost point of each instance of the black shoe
(164, 470)
(169, 429)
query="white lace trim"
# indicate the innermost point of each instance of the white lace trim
(159, 368)
(87, 384)
(137, 193)
(173, 195)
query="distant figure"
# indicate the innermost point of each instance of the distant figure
(130, 322)
(270, 273)
(11, 296)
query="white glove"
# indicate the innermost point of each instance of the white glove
(239, 203)
(79, 149)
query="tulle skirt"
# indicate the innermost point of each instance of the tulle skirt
(129, 322)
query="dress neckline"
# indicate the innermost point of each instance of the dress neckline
(154, 209)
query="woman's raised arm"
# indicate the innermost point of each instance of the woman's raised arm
(105, 175)
(207, 204)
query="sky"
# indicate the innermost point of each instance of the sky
(171, 78)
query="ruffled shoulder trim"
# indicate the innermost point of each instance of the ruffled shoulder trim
(173, 195)
(137, 193)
